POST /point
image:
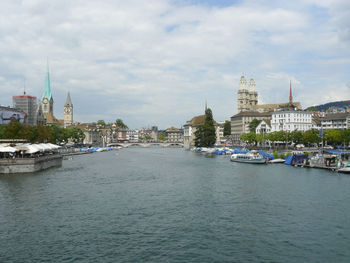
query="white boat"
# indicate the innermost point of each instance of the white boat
(277, 161)
(251, 157)
(345, 168)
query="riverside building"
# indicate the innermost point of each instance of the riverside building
(29, 105)
(291, 119)
(174, 135)
(249, 109)
(191, 126)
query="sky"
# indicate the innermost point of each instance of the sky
(158, 62)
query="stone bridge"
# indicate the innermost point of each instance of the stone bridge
(146, 144)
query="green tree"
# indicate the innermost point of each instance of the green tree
(249, 137)
(205, 134)
(311, 136)
(58, 134)
(44, 133)
(13, 130)
(199, 136)
(346, 136)
(259, 138)
(101, 123)
(2, 129)
(227, 128)
(253, 124)
(121, 124)
(162, 136)
(296, 136)
(333, 136)
(75, 133)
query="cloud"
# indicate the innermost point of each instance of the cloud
(156, 62)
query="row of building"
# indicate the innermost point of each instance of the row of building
(31, 110)
(286, 116)
(102, 136)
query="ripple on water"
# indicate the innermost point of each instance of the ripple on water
(159, 205)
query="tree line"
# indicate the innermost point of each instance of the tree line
(332, 137)
(41, 134)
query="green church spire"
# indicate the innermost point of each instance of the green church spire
(47, 92)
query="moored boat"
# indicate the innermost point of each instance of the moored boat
(345, 168)
(250, 157)
(277, 161)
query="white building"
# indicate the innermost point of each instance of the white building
(263, 127)
(335, 121)
(174, 135)
(132, 135)
(291, 119)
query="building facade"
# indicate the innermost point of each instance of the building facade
(240, 122)
(263, 127)
(132, 135)
(291, 119)
(334, 121)
(174, 135)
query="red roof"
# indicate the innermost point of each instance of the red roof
(24, 96)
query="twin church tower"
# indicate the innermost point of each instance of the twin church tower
(247, 97)
(47, 106)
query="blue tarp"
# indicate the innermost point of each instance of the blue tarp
(266, 155)
(218, 152)
(239, 151)
(295, 159)
(289, 160)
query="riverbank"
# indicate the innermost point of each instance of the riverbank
(29, 165)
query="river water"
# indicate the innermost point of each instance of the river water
(171, 205)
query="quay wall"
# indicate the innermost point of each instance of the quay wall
(29, 165)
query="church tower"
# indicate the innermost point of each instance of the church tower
(47, 100)
(247, 97)
(68, 112)
(243, 95)
(253, 95)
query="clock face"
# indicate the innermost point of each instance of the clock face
(45, 101)
(67, 110)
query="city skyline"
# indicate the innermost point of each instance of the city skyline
(156, 63)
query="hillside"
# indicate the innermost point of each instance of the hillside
(337, 104)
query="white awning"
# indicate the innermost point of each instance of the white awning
(8, 149)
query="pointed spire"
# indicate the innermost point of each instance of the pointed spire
(68, 100)
(290, 93)
(24, 86)
(47, 92)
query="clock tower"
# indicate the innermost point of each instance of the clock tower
(68, 112)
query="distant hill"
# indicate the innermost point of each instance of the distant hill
(337, 104)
